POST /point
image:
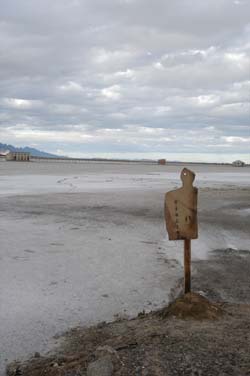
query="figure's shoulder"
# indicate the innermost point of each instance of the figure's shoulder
(169, 193)
(173, 193)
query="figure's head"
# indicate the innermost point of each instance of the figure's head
(187, 176)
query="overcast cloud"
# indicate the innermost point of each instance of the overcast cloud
(127, 77)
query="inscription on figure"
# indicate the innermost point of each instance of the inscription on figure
(181, 209)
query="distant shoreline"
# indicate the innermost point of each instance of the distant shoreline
(109, 160)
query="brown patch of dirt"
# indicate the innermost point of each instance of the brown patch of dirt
(193, 306)
(158, 343)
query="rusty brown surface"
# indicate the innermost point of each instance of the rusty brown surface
(187, 265)
(181, 209)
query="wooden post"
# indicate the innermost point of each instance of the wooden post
(187, 265)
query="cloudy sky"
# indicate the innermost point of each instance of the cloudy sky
(127, 78)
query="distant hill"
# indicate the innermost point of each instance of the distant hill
(32, 151)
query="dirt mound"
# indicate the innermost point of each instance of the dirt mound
(192, 306)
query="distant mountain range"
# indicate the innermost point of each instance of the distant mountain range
(35, 152)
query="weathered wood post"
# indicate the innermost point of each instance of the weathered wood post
(187, 265)
(181, 219)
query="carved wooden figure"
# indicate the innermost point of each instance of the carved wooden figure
(181, 218)
(181, 209)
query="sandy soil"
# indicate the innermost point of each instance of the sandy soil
(84, 243)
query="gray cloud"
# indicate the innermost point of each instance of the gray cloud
(126, 76)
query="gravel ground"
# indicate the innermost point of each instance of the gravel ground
(158, 344)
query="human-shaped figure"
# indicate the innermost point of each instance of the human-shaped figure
(181, 209)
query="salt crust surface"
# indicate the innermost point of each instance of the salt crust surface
(80, 244)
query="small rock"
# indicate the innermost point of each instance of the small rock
(102, 351)
(101, 367)
(14, 369)
(37, 355)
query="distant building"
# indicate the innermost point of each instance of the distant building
(18, 156)
(162, 161)
(238, 163)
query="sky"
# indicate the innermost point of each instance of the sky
(127, 78)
